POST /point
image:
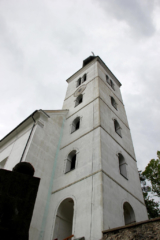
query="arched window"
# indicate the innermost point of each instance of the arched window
(113, 102)
(129, 216)
(75, 125)
(122, 165)
(71, 161)
(117, 128)
(79, 100)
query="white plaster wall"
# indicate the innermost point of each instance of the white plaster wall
(107, 122)
(89, 119)
(42, 154)
(6, 152)
(13, 150)
(113, 197)
(89, 94)
(105, 94)
(88, 160)
(90, 70)
(87, 220)
(102, 74)
(110, 164)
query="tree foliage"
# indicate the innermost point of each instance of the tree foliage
(152, 206)
(152, 173)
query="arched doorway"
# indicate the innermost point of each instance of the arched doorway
(129, 216)
(64, 219)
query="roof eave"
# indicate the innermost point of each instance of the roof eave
(26, 122)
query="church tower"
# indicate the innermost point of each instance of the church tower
(85, 159)
(96, 185)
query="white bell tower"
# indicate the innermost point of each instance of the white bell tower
(96, 185)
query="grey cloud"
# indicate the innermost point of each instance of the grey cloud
(10, 44)
(50, 39)
(68, 38)
(143, 113)
(137, 14)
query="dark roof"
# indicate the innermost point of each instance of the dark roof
(88, 60)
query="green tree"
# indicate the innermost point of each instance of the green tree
(152, 173)
(152, 206)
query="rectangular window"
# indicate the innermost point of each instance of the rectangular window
(84, 77)
(79, 82)
(108, 80)
(112, 84)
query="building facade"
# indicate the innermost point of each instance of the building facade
(85, 158)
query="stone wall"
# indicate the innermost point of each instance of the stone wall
(145, 230)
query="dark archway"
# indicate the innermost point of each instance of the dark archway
(64, 219)
(129, 216)
(75, 125)
(71, 161)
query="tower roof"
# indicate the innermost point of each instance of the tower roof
(89, 60)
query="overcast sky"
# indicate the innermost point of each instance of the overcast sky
(43, 42)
